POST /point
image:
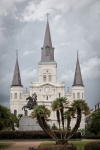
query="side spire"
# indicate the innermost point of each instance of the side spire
(16, 77)
(47, 54)
(78, 77)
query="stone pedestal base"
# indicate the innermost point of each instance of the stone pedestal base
(27, 123)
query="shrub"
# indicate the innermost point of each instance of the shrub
(31, 135)
(56, 147)
(54, 127)
(92, 146)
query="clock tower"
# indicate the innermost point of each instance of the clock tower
(47, 89)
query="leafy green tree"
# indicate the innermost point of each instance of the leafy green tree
(7, 119)
(95, 123)
(54, 127)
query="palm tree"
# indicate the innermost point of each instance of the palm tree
(55, 107)
(80, 107)
(42, 114)
(68, 115)
(58, 106)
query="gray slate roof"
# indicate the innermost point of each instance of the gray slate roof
(16, 77)
(47, 42)
(78, 77)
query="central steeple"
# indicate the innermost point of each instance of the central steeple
(47, 51)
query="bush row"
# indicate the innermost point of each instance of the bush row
(92, 146)
(31, 135)
(92, 137)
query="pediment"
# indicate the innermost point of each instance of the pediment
(48, 84)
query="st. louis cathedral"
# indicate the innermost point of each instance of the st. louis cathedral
(47, 88)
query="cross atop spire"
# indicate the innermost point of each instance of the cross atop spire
(77, 53)
(47, 15)
(68, 89)
(78, 77)
(16, 54)
(16, 77)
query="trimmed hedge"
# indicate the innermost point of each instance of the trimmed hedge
(31, 135)
(92, 146)
(92, 137)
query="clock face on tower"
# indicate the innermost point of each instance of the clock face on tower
(47, 89)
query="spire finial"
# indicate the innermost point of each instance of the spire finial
(77, 53)
(26, 89)
(68, 89)
(47, 15)
(16, 54)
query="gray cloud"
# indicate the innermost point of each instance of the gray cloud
(73, 24)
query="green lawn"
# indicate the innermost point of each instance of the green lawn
(4, 145)
(79, 144)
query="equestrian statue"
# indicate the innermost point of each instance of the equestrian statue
(31, 103)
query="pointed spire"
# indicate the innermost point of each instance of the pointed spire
(47, 50)
(47, 39)
(78, 77)
(16, 77)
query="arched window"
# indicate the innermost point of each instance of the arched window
(26, 113)
(15, 112)
(73, 95)
(15, 96)
(78, 95)
(44, 78)
(11, 95)
(82, 95)
(20, 95)
(47, 50)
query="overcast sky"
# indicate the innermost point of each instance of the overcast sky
(74, 24)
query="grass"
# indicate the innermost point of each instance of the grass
(79, 144)
(4, 145)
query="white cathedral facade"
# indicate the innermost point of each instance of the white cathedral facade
(47, 88)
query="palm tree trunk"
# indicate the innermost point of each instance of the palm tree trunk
(78, 121)
(58, 120)
(49, 130)
(62, 118)
(44, 127)
(68, 125)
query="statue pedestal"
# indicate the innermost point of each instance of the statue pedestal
(27, 123)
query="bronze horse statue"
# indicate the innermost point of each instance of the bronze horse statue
(31, 103)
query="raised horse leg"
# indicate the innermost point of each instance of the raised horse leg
(24, 107)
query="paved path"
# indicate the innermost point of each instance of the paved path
(24, 145)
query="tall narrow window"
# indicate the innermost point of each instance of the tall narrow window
(59, 95)
(78, 95)
(82, 95)
(47, 50)
(20, 95)
(47, 97)
(49, 78)
(11, 95)
(44, 78)
(26, 113)
(73, 95)
(15, 96)
(15, 112)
